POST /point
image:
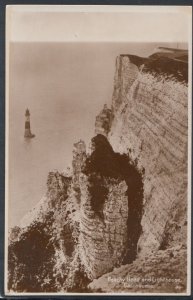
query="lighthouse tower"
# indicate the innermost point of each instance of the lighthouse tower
(27, 133)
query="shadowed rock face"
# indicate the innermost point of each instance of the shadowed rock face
(44, 254)
(30, 259)
(111, 181)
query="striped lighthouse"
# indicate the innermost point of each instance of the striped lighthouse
(27, 133)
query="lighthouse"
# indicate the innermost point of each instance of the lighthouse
(28, 133)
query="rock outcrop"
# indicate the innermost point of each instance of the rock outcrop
(79, 157)
(103, 121)
(38, 258)
(125, 203)
(103, 241)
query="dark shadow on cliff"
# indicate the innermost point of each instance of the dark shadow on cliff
(30, 260)
(105, 163)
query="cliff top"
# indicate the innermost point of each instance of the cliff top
(167, 61)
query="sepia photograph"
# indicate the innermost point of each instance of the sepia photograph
(98, 150)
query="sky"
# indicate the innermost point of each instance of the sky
(98, 23)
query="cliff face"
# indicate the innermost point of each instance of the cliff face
(125, 203)
(162, 271)
(151, 124)
(103, 240)
(34, 254)
(86, 217)
(125, 75)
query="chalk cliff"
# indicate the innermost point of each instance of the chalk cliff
(151, 124)
(125, 202)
